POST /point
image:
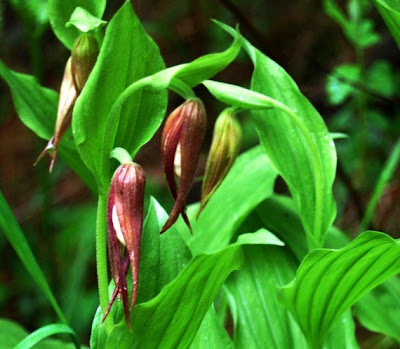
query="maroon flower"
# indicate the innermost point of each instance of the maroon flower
(124, 222)
(181, 143)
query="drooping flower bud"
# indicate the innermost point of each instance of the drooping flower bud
(124, 222)
(76, 73)
(68, 96)
(224, 149)
(181, 143)
(84, 53)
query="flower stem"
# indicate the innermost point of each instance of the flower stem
(101, 258)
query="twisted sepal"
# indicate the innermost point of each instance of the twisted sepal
(181, 143)
(124, 223)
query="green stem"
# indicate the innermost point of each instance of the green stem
(101, 258)
(181, 88)
(121, 155)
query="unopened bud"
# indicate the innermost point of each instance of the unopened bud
(66, 102)
(224, 149)
(125, 222)
(84, 54)
(181, 143)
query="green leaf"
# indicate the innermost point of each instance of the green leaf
(37, 108)
(162, 256)
(44, 332)
(340, 83)
(342, 335)
(60, 12)
(390, 12)
(211, 334)
(238, 96)
(296, 140)
(172, 319)
(11, 334)
(84, 20)
(328, 282)
(219, 220)
(260, 237)
(15, 236)
(385, 176)
(127, 55)
(260, 320)
(379, 310)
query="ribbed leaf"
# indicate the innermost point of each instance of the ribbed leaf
(60, 12)
(219, 220)
(260, 320)
(297, 142)
(37, 108)
(328, 282)
(127, 55)
(379, 310)
(211, 334)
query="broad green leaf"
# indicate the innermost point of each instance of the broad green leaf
(379, 310)
(211, 334)
(98, 335)
(37, 108)
(342, 335)
(44, 332)
(260, 237)
(297, 142)
(279, 214)
(328, 282)
(173, 317)
(84, 20)
(127, 55)
(390, 12)
(260, 320)
(219, 220)
(162, 256)
(11, 334)
(60, 12)
(15, 236)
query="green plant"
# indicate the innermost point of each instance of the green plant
(275, 265)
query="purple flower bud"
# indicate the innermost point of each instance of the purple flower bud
(124, 222)
(181, 143)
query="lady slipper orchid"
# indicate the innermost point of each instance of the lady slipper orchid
(181, 143)
(124, 222)
(224, 149)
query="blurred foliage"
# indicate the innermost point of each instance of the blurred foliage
(339, 52)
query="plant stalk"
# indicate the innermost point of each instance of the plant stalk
(101, 258)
